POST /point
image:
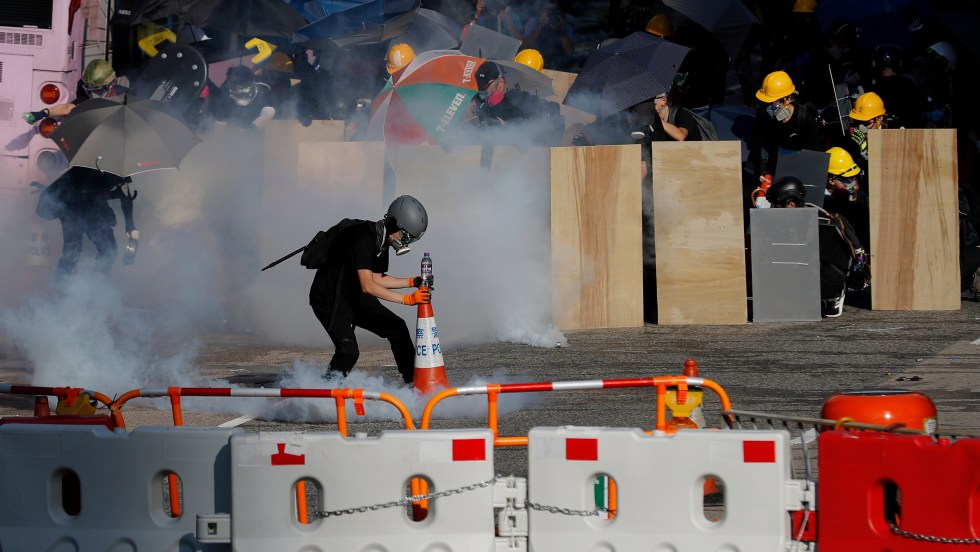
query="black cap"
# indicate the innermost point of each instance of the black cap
(485, 73)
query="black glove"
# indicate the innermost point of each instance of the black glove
(418, 281)
(33, 117)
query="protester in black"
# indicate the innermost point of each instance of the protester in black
(351, 277)
(80, 199)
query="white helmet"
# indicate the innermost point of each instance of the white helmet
(946, 51)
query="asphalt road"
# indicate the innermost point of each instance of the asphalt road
(788, 368)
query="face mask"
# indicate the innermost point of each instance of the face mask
(495, 98)
(863, 128)
(780, 113)
(401, 243)
(97, 91)
(834, 52)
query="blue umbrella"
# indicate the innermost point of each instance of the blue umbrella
(357, 22)
(898, 22)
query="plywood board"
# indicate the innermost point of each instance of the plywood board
(596, 249)
(562, 81)
(914, 225)
(700, 244)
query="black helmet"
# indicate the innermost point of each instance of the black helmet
(786, 189)
(887, 56)
(408, 214)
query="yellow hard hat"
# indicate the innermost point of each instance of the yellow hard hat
(868, 106)
(841, 163)
(805, 6)
(775, 86)
(660, 25)
(399, 55)
(530, 57)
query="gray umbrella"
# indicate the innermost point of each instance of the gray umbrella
(124, 136)
(530, 80)
(430, 30)
(485, 43)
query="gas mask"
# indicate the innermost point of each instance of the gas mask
(98, 91)
(243, 95)
(492, 98)
(401, 245)
(780, 112)
(843, 186)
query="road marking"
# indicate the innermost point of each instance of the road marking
(975, 341)
(237, 421)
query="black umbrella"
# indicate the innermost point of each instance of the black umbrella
(625, 73)
(430, 30)
(728, 20)
(124, 136)
(254, 18)
(134, 12)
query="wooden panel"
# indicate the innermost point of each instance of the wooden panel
(700, 241)
(282, 137)
(596, 249)
(914, 225)
(430, 169)
(562, 82)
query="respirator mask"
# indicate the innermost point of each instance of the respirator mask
(779, 111)
(492, 98)
(401, 244)
(97, 91)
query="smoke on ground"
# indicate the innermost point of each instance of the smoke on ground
(207, 229)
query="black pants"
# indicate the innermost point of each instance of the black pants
(101, 235)
(371, 315)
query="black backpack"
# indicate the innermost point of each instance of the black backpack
(859, 275)
(706, 127)
(316, 255)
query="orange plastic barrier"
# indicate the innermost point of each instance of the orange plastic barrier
(898, 493)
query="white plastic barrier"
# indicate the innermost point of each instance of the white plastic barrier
(354, 472)
(659, 486)
(117, 502)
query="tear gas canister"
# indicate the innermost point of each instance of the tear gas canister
(129, 256)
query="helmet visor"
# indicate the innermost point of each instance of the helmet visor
(408, 238)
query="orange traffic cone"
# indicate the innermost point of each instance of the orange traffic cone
(430, 370)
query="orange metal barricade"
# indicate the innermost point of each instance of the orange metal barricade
(661, 383)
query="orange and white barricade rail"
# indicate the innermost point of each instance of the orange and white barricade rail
(363, 491)
(86, 488)
(340, 396)
(898, 493)
(658, 482)
(660, 383)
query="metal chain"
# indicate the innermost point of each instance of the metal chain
(926, 538)
(405, 501)
(597, 511)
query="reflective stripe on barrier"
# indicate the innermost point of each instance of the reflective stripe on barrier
(85, 488)
(659, 483)
(350, 476)
(869, 480)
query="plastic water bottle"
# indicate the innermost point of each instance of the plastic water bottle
(427, 270)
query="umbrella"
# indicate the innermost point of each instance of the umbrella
(898, 22)
(625, 73)
(138, 11)
(358, 22)
(729, 20)
(124, 136)
(257, 18)
(431, 30)
(429, 97)
(486, 43)
(529, 80)
(733, 122)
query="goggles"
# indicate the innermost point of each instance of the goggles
(408, 238)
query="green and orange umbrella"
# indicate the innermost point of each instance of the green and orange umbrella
(424, 101)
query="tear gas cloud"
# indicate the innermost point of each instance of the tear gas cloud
(207, 229)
